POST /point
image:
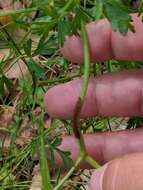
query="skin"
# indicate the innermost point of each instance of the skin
(118, 94)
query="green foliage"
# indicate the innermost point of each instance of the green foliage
(63, 30)
(47, 46)
(117, 15)
(5, 82)
(135, 122)
(27, 47)
(43, 161)
(36, 69)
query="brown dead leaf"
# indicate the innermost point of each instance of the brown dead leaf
(37, 179)
(25, 136)
(18, 70)
(6, 115)
(119, 124)
(11, 4)
(13, 70)
(36, 183)
(3, 53)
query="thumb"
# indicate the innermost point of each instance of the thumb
(124, 173)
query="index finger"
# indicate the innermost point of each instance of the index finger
(117, 94)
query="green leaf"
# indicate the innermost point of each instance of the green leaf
(36, 69)
(52, 157)
(27, 47)
(39, 3)
(80, 15)
(43, 25)
(66, 158)
(46, 46)
(117, 15)
(64, 29)
(64, 63)
(56, 142)
(42, 20)
(135, 122)
(8, 83)
(44, 168)
(1, 87)
(98, 10)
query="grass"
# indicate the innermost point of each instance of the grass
(43, 26)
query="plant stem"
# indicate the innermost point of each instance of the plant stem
(78, 161)
(45, 171)
(78, 108)
(92, 162)
(64, 79)
(86, 64)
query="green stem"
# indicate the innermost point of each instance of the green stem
(86, 64)
(64, 79)
(66, 7)
(45, 171)
(92, 162)
(78, 108)
(78, 161)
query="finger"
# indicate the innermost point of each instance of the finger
(99, 41)
(119, 94)
(129, 47)
(96, 181)
(124, 173)
(69, 51)
(106, 44)
(105, 146)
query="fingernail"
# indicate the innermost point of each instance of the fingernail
(96, 181)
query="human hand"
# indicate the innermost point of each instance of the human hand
(117, 94)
